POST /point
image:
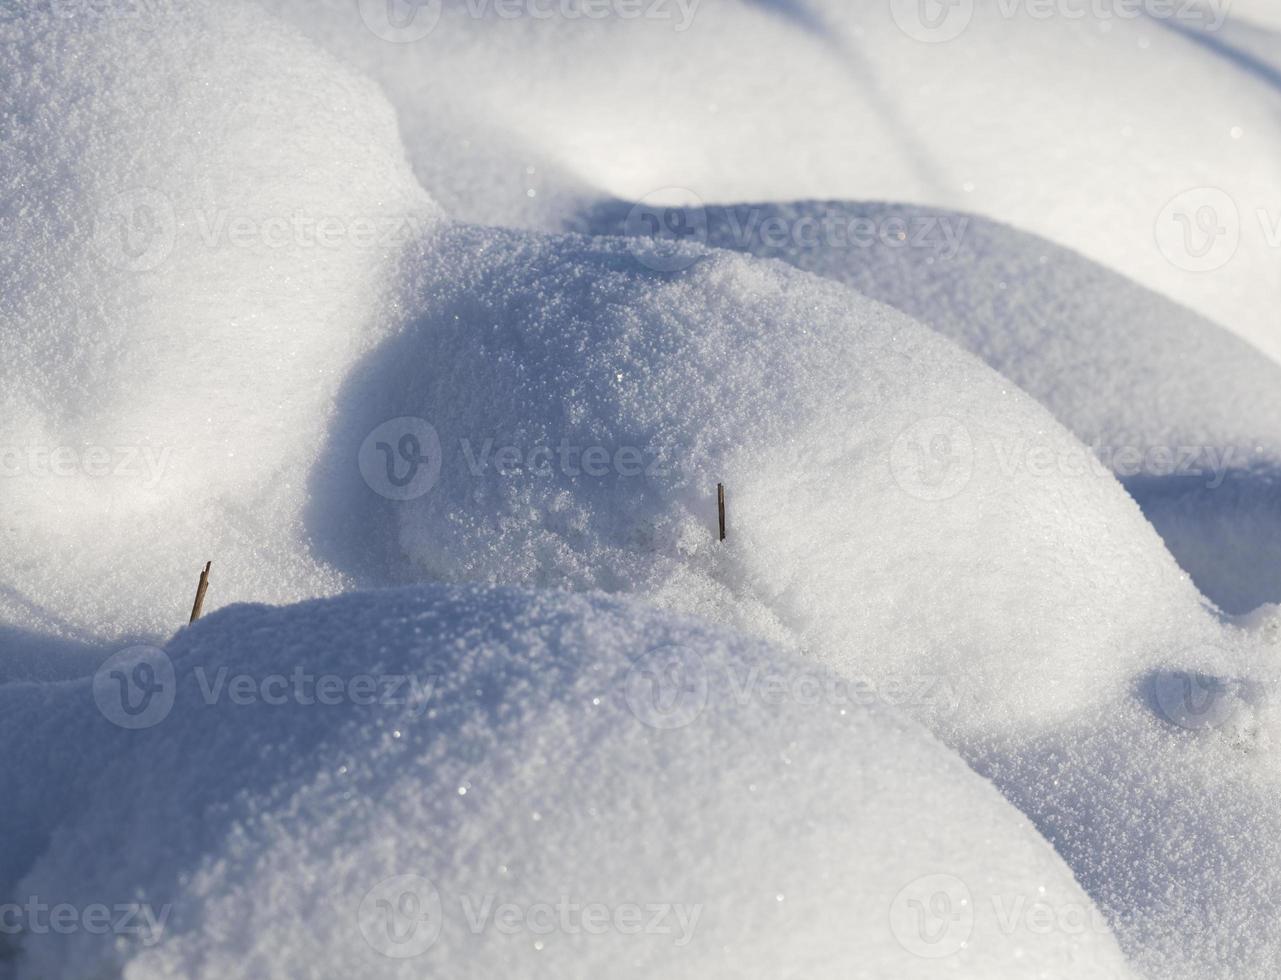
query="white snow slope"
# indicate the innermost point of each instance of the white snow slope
(1109, 128)
(1186, 415)
(577, 411)
(895, 509)
(541, 801)
(205, 211)
(238, 328)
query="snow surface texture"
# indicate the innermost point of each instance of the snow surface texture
(868, 463)
(1001, 110)
(576, 411)
(192, 188)
(548, 760)
(395, 412)
(1186, 415)
(1171, 826)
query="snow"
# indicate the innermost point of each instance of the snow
(855, 536)
(869, 464)
(536, 768)
(1169, 821)
(509, 440)
(1136, 377)
(192, 186)
(1031, 114)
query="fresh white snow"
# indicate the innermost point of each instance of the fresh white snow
(1106, 127)
(561, 787)
(1139, 379)
(204, 211)
(969, 690)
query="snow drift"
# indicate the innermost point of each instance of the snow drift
(208, 209)
(999, 109)
(895, 507)
(1167, 807)
(896, 510)
(562, 770)
(380, 397)
(1186, 415)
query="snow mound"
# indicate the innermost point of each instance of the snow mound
(206, 205)
(1012, 110)
(569, 787)
(1135, 376)
(1167, 807)
(559, 414)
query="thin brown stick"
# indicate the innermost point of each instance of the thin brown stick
(199, 605)
(720, 506)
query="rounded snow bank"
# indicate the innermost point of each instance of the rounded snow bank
(560, 414)
(198, 208)
(1028, 113)
(1138, 378)
(533, 786)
